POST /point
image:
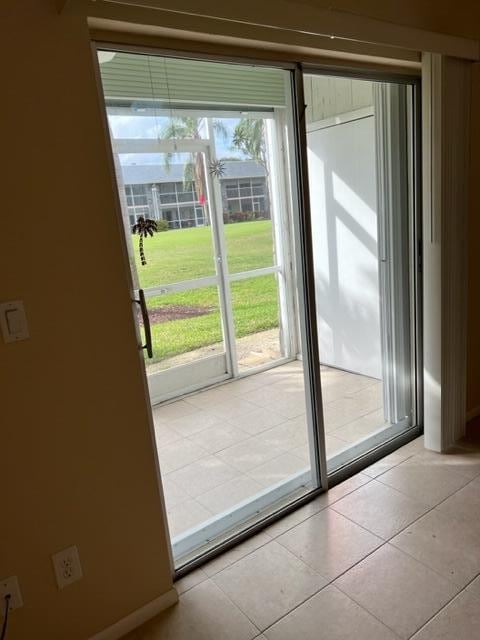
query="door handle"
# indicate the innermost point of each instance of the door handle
(146, 323)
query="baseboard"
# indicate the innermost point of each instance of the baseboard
(138, 617)
(473, 413)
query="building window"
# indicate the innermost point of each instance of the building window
(232, 190)
(137, 201)
(258, 187)
(199, 214)
(136, 194)
(185, 210)
(167, 192)
(246, 204)
(246, 195)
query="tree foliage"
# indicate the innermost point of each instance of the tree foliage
(249, 138)
(188, 128)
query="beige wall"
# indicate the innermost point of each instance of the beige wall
(460, 18)
(76, 458)
(76, 453)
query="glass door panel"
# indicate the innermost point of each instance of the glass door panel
(359, 144)
(217, 278)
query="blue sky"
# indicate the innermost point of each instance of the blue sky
(151, 127)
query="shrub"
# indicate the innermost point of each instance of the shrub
(162, 225)
(243, 216)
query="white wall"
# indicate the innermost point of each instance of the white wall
(341, 164)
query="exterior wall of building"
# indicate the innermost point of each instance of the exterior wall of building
(178, 204)
(174, 202)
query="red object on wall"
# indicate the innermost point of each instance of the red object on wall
(201, 199)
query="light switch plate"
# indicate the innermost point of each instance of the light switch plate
(13, 321)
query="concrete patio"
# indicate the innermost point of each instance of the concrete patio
(221, 446)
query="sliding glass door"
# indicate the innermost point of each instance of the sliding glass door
(360, 153)
(272, 251)
(205, 157)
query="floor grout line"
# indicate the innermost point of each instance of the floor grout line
(240, 471)
(322, 508)
(366, 610)
(272, 539)
(246, 473)
(457, 595)
(330, 504)
(442, 500)
(388, 541)
(293, 374)
(294, 525)
(416, 560)
(331, 583)
(383, 543)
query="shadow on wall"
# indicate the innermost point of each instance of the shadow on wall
(344, 225)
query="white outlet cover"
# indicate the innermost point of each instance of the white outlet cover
(67, 567)
(10, 585)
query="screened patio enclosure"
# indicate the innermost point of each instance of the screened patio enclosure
(172, 126)
(206, 152)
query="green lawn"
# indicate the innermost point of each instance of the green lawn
(187, 254)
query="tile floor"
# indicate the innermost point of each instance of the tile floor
(391, 553)
(223, 445)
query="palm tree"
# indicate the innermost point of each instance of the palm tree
(188, 128)
(144, 227)
(249, 138)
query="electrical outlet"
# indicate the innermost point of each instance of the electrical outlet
(67, 567)
(10, 586)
